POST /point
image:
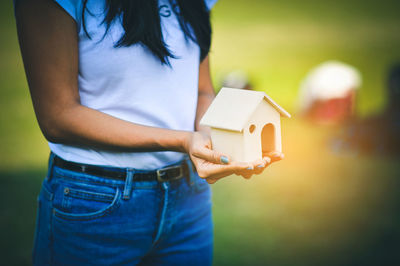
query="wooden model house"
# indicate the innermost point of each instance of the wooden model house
(244, 124)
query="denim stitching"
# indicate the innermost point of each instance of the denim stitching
(90, 216)
(89, 195)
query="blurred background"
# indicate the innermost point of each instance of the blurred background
(332, 201)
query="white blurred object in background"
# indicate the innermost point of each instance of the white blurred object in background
(237, 79)
(327, 94)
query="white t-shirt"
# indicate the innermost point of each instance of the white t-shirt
(130, 83)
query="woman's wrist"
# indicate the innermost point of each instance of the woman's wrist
(185, 140)
(187, 137)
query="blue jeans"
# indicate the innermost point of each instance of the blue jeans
(85, 220)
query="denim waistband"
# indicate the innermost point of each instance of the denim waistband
(54, 171)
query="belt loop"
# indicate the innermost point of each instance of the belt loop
(128, 184)
(50, 166)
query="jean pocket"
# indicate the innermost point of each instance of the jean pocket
(75, 201)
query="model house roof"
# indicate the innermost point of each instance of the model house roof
(232, 108)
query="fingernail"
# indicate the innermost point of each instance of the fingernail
(224, 159)
(249, 168)
(260, 166)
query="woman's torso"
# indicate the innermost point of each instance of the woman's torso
(130, 83)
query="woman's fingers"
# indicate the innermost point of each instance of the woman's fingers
(214, 178)
(275, 156)
(259, 167)
(213, 172)
(213, 165)
(246, 175)
(266, 160)
(217, 171)
(225, 172)
(211, 155)
(211, 180)
(206, 169)
(200, 147)
(246, 170)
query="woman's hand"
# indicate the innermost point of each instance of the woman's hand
(213, 165)
(210, 164)
(268, 158)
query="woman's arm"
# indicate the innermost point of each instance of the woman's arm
(206, 93)
(49, 46)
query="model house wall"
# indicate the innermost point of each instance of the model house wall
(229, 142)
(263, 116)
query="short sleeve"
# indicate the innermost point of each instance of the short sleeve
(72, 7)
(210, 3)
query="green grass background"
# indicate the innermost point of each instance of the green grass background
(313, 208)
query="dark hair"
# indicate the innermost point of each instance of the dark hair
(142, 24)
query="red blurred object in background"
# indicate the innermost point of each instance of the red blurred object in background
(328, 93)
(332, 111)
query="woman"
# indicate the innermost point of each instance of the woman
(118, 88)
